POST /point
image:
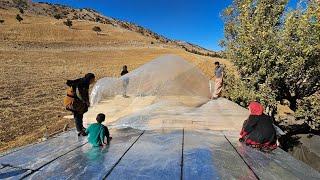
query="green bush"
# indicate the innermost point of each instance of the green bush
(19, 18)
(57, 16)
(21, 10)
(309, 110)
(68, 23)
(96, 29)
(236, 90)
(276, 52)
(21, 4)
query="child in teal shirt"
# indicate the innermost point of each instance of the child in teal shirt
(97, 132)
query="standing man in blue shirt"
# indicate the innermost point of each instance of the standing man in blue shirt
(218, 82)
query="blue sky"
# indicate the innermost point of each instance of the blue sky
(195, 21)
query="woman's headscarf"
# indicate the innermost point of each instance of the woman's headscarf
(82, 82)
(255, 108)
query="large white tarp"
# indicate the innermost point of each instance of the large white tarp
(168, 75)
(167, 92)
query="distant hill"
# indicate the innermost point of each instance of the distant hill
(64, 12)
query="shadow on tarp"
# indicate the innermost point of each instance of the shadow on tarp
(12, 173)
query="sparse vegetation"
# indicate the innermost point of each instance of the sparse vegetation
(96, 29)
(277, 53)
(194, 51)
(19, 18)
(57, 16)
(21, 10)
(1, 21)
(68, 23)
(21, 4)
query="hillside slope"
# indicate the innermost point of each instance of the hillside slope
(39, 54)
(64, 12)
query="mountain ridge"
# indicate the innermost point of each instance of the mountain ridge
(59, 11)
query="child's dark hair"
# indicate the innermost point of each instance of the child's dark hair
(89, 76)
(217, 63)
(100, 117)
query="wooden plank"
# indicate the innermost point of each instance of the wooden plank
(208, 155)
(157, 155)
(275, 165)
(90, 162)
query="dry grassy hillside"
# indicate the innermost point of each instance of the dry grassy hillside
(39, 54)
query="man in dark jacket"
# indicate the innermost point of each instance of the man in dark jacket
(81, 102)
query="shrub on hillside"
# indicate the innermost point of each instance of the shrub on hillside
(19, 18)
(57, 16)
(21, 10)
(68, 23)
(97, 29)
(21, 4)
(1, 21)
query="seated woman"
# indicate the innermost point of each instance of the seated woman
(258, 130)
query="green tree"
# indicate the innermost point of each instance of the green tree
(309, 110)
(299, 59)
(250, 28)
(19, 18)
(276, 53)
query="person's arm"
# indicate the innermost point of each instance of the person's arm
(214, 74)
(88, 130)
(84, 93)
(107, 134)
(102, 135)
(106, 130)
(248, 127)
